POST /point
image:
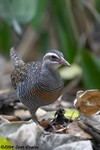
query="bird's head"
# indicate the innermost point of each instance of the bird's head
(54, 59)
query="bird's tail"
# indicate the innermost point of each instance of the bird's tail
(16, 60)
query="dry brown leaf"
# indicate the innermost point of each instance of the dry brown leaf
(62, 130)
(88, 102)
(44, 123)
(11, 118)
(74, 129)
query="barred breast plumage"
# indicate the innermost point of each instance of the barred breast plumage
(37, 83)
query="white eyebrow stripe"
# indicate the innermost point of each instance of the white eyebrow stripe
(52, 54)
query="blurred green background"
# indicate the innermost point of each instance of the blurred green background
(72, 26)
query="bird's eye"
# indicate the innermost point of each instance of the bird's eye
(53, 58)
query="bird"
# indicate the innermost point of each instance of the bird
(37, 83)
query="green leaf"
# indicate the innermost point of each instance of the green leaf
(5, 38)
(21, 10)
(40, 11)
(65, 43)
(6, 144)
(71, 113)
(63, 28)
(98, 5)
(91, 70)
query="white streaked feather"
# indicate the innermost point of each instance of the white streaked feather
(50, 54)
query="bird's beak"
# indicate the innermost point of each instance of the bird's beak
(64, 62)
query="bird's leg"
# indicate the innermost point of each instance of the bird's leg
(34, 118)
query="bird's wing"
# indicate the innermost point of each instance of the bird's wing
(18, 75)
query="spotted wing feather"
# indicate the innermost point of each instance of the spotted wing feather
(16, 60)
